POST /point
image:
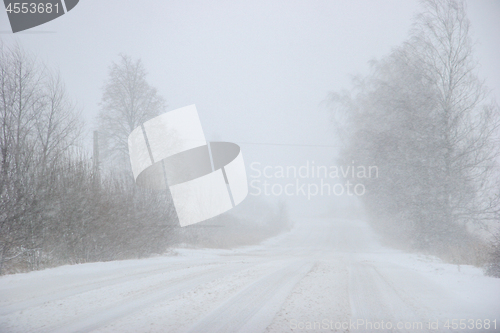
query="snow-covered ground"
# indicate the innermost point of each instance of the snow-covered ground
(325, 275)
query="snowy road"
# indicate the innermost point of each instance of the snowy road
(325, 275)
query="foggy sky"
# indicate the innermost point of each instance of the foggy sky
(258, 71)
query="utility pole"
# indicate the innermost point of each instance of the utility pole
(95, 159)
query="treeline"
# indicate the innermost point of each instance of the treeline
(57, 205)
(423, 117)
(53, 208)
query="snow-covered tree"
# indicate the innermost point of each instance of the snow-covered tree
(127, 102)
(422, 116)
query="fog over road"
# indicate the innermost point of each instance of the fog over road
(324, 275)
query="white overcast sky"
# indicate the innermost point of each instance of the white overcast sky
(258, 71)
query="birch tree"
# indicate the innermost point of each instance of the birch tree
(127, 101)
(423, 116)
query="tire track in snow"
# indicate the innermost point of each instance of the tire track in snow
(375, 299)
(67, 291)
(101, 317)
(86, 318)
(253, 308)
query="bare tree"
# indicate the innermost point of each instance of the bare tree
(38, 125)
(58, 125)
(467, 126)
(127, 101)
(51, 211)
(423, 118)
(19, 96)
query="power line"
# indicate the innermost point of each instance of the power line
(288, 144)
